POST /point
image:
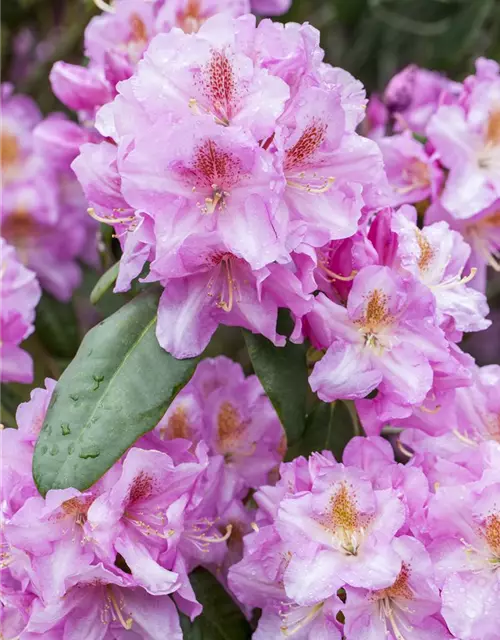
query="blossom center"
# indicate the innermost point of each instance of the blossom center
(484, 235)
(231, 430)
(375, 318)
(190, 20)
(416, 175)
(426, 251)
(489, 156)
(228, 287)
(177, 426)
(115, 608)
(300, 156)
(492, 535)
(343, 520)
(9, 150)
(216, 171)
(141, 488)
(77, 509)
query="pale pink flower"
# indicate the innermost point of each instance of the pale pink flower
(387, 337)
(20, 295)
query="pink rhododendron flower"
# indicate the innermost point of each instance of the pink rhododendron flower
(252, 183)
(43, 208)
(406, 609)
(387, 337)
(438, 256)
(464, 522)
(116, 40)
(271, 7)
(482, 232)
(233, 416)
(413, 95)
(412, 173)
(468, 143)
(20, 295)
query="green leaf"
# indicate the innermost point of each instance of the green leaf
(57, 326)
(117, 388)
(330, 427)
(221, 619)
(283, 374)
(9, 402)
(105, 282)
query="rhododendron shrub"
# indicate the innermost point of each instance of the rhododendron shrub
(277, 431)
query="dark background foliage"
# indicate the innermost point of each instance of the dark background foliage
(370, 38)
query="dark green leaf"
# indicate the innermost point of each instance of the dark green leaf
(116, 389)
(57, 326)
(105, 282)
(283, 374)
(8, 406)
(330, 427)
(221, 619)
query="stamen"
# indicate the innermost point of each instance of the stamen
(431, 411)
(222, 304)
(103, 6)
(337, 276)
(214, 539)
(109, 219)
(312, 189)
(404, 450)
(211, 203)
(255, 527)
(292, 629)
(463, 438)
(126, 624)
(390, 614)
(456, 280)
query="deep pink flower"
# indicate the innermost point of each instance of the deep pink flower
(20, 295)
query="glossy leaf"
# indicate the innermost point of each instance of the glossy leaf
(221, 619)
(105, 282)
(57, 326)
(283, 374)
(116, 389)
(329, 427)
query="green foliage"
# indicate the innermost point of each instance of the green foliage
(283, 374)
(329, 427)
(57, 326)
(222, 619)
(116, 389)
(105, 282)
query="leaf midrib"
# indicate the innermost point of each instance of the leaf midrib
(117, 372)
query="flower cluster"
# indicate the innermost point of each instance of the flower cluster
(117, 556)
(256, 163)
(116, 40)
(445, 152)
(371, 549)
(20, 293)
(43, 207)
